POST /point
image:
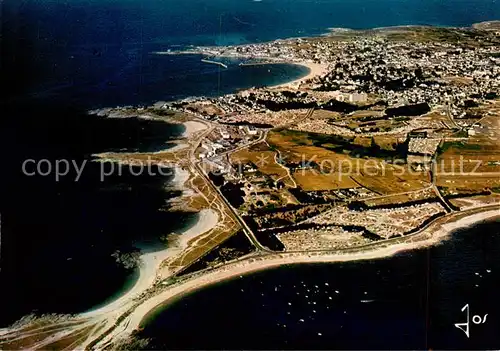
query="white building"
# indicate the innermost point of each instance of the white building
(251, 130)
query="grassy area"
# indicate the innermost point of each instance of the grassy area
(227, 226)
(390, 182)
(263, 160)
(458, 145)
(343, 169)
(399, 199)
(472, 165)
(312, 180)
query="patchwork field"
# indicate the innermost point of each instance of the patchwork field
(265, 161)
(343, 170)
(312, 180)
(473, 164)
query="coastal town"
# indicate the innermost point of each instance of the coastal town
(392, 137)
(389, 104)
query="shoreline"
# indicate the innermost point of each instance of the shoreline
(150, 268)
(150, 271)
(192, 127)
(327, 31)
(259, 263)
(315, 70)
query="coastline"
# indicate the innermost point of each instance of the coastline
(150, 267)
(315, 70)
(192, 127)
(150, 270)
(259, 263)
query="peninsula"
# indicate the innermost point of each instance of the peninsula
(390, 143)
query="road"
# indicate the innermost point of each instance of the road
(450, 117)
(449, 208)
(197, 167)
(248, 232)
(261, 138)
(308, 115)
(246, 229)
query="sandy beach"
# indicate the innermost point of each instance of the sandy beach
(149, 270)
(315, 70)
(181, 176)
(259, 263)
(193, 127)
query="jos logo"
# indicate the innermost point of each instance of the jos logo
(465, 327)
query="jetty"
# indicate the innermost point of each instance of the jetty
(254, 63)
(214, 63)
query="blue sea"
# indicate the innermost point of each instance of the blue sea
(60, 58)
(98, 52)
(411, 301)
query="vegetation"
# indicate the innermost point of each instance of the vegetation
(457, 145)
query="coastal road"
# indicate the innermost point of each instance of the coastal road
(261, 138)
(246, 229)
(132, 320)
(381, 243)
(433, 172)
(197, 167)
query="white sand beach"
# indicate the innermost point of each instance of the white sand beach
(150, 265)
(261, 263)
(193, 127)
(181, 176)
(315, 70)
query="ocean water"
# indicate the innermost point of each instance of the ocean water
(145, 78)
(60, 58)
(97, 52)
(58, 236)
(409, 301)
